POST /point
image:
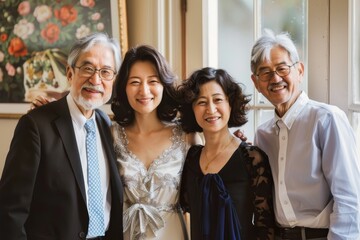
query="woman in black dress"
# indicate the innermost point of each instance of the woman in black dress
(226, 184)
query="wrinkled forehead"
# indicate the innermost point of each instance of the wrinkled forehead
(97, 54)
(274, 56)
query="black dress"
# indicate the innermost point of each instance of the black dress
(244, 185)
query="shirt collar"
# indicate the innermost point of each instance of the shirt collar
(76, 115)
(293, 112)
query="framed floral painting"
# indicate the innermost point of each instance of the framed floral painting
(35, 37)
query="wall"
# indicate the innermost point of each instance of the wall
(328, 80)
(318, 50)
(7, 127)
(157, 23)
(339, 54)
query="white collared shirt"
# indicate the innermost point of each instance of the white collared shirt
(79, 120)
(315, 165)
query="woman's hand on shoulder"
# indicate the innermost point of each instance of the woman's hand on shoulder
(40, 101)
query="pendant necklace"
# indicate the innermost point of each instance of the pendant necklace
(216, 155)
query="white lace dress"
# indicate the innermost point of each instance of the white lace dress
(151, 195)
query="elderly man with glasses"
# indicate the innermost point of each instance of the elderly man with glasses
(311, 147)
(60, 179)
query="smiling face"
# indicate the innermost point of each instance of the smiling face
(212, 108)
(144, 89)
(280, 91)
(91, 92)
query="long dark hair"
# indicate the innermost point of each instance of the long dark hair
(167, 109)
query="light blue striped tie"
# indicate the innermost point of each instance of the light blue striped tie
(95, 202)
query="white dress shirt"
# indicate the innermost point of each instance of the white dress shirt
(315, 165)
(79, 120)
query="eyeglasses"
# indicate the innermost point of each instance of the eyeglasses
(88, 71)
(265, 75)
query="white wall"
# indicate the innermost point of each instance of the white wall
(7, 127)
(318, 50)
(339, 54)
(328, 39)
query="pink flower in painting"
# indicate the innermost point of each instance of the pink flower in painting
(100, 26)
(96, 16)
(51, 33)
(10, 69)
(24, 8)
(82, 31)
(87, 3)
(23, 28)
(42, 13)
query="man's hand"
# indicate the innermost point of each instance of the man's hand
(238, 133)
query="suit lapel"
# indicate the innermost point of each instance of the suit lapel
(106, 138)
(103, 123)
(66, 131)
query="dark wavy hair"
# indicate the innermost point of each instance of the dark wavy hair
(168, 107)
(189, 91)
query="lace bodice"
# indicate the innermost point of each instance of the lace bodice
(149, 193)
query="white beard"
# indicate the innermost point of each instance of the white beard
(87, 105)
(90, 105)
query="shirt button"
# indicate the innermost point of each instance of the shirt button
(286, 202)
(283, 138)
(82, 235)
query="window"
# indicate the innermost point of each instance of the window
(240, 22)
(354, 66)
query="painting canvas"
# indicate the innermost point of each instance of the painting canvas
(35, 37)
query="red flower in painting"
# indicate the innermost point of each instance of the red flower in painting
(67, 14)
(17, 47)
(3, 37)
(50, 33)
(35, 27)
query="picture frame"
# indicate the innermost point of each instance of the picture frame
(117, 19)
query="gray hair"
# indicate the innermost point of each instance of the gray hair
(89, 41)
(262, 47)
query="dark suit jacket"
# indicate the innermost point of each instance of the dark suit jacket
(42, 192)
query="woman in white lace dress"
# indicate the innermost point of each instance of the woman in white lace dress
(150, 145)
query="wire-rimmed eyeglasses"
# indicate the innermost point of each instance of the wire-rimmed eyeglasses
(265, 75)
(88, 71)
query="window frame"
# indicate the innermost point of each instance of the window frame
(354, 55)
